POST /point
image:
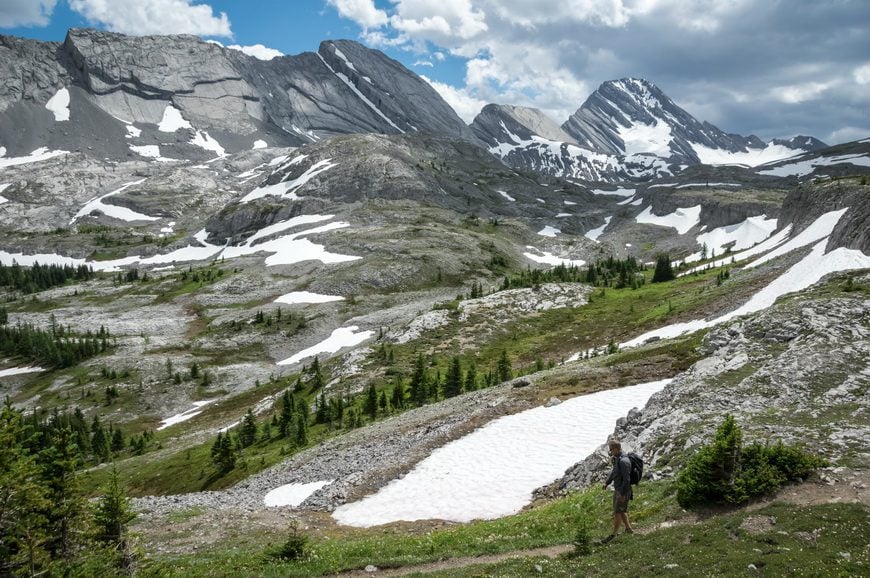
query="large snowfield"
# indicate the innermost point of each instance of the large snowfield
(493, 471)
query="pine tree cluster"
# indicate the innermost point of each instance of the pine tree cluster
(46, 525)
(56, 347)
(41, 277)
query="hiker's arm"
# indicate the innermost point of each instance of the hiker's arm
(610, 478)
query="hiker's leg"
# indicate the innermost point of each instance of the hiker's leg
(626, 524)
(617, 518)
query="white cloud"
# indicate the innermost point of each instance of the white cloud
(424, 63)
(25, 12)
(528, 13)
(257, 51)
(735, 63)
(466, 105)
(847, 134)
(141, 17)
(363, 12)
(447, 23)
(797, 93)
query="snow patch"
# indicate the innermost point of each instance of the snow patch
(295, 297)
(643, 138)
(150, 151)
(115, 211)
(549, 231)
(595, 233)
(741, 236)
(259, 144)
(546, 258)
(801, 275)
(287, 189)
(805, 167)
(185, 415)
(620, 192)
(59, 105)
(477, 476)
(683, 219)
(204, 140)
(341, 337)
(40, 154)
(819, 229)
(172, 120)
(19, 371)
(507, 196)
(292, 494)
(751, 157)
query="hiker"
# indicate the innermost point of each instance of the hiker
(620, 475)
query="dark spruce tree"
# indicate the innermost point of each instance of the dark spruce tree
(663, 271)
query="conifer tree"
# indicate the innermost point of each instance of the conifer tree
(117, 444)
(663, 271)
(112, 513)
(23, 500)
(397, 399)
(371, 402)
(65, 513)
(453, 379)
(99, 441)
(248, 431)
(471, 378)
(285, 423)
(301, 431)
(504, 370)
(419, 382)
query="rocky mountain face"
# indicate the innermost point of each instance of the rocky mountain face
(179, 97)
(627, 130)
(782, 372)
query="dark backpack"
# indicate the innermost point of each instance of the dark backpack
(636, 467)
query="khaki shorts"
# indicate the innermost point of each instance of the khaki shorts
(620, 503)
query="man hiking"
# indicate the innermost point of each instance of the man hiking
(620, 475)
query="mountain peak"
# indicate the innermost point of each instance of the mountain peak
(499, 122)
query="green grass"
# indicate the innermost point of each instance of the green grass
(720, 547)
(805, 541)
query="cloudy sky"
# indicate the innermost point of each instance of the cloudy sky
(773, 68)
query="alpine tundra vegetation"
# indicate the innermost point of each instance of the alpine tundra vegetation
(295, 317)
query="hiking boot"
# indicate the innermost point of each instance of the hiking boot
(608, 538)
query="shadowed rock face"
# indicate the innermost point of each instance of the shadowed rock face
(220, 95)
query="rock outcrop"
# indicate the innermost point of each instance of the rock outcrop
(782, 373)
(195, 100)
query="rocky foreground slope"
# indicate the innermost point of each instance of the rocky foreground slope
(798, 373)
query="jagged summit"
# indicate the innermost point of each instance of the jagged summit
(632, 115)
(179, 97)
(628, 129)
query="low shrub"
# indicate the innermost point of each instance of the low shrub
(724, 472)
(295, 548)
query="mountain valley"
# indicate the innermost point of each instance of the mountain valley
(317, 247)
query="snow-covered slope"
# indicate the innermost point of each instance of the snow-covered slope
(627, 130)
(632, 116)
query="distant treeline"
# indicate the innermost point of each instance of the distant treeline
(610, 272)
(54, 347)
(41, 277)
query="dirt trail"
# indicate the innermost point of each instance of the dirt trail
(838, 485)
